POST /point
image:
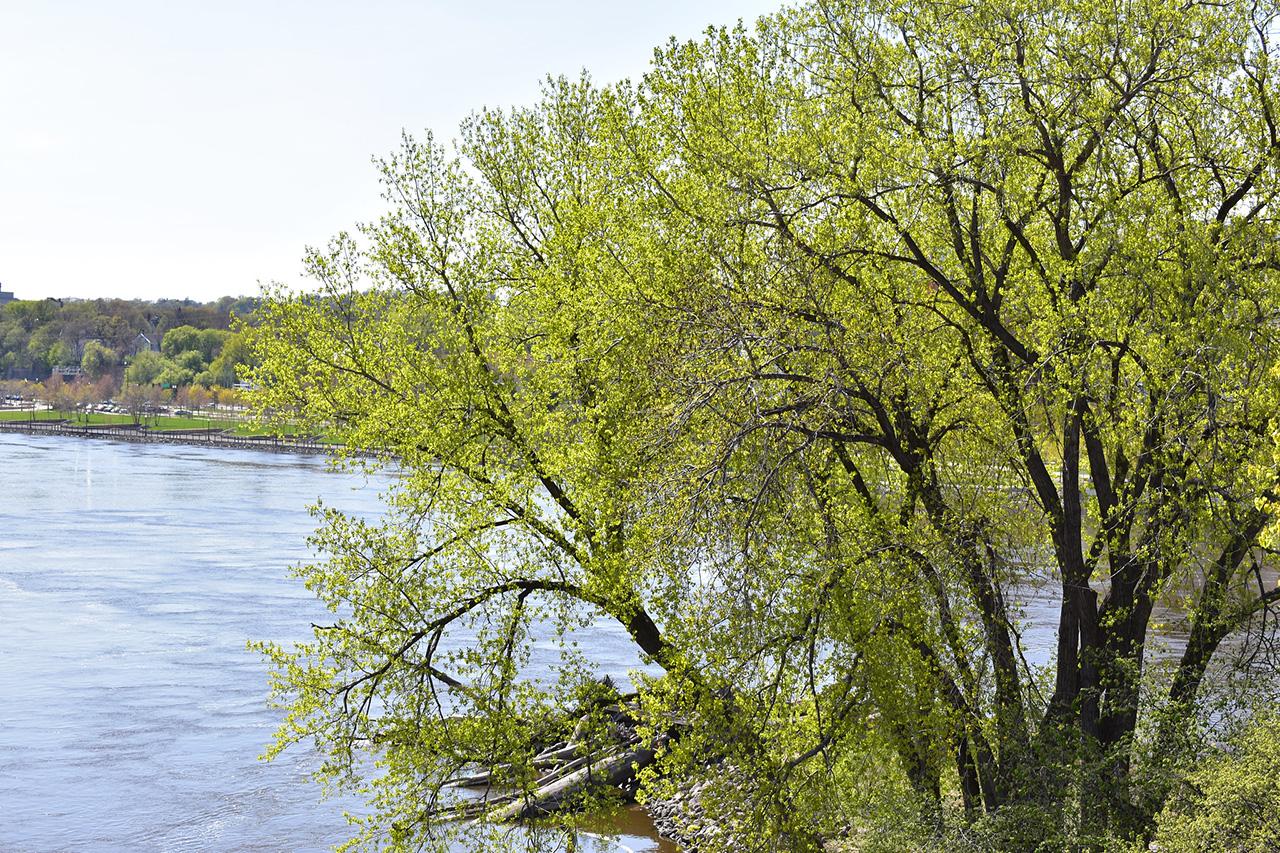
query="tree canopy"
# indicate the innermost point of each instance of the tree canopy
(802, 362)
(39, 335)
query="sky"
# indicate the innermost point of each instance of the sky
(184, 149)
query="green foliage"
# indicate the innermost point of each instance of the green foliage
(207, 357)
(204, 343)
(180, 339)
(192, 360)
(224, 369)
(145, 368)
(1231, 801)
(98, 359)
(36, 336)
(174, 376)
(796, 364)
(152, 368)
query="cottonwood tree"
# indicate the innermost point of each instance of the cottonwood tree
(473, 342)
(1006, 277)
(801, 361)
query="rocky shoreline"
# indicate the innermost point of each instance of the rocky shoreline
(685, 818)
(682, 818)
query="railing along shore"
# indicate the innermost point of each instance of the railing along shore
(203, 437)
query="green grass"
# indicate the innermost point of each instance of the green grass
(250, 429)
(171, 422)
(99, 419)
(157, 422)
(26, 415)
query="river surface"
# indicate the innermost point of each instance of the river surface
(131, 713)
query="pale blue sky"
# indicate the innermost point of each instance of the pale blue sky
(193, 149)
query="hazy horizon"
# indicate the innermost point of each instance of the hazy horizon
(164, 151)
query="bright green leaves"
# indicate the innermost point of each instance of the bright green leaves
(1232, 799)
(480, 338)
(796, 361)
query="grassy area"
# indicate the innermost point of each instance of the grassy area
(157, 422)
(250, 429)
(100, 419)
(27, 415)
(170, 422)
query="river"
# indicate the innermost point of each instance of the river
(131, 713)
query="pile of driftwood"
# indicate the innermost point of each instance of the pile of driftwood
(606, 752)
(585, 762)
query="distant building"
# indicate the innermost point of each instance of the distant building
(143, 344)
(6, 297)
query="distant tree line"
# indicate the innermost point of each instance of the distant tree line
(105, 337)
(187, 356)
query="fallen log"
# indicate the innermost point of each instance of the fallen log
(612, 770)
(557, 768)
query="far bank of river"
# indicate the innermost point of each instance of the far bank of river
(201, 437)
(131, 575)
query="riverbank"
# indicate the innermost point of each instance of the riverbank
(203, 437)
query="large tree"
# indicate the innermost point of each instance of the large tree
(801, 361)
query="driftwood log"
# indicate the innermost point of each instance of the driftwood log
(567, 770)
(612, 770)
